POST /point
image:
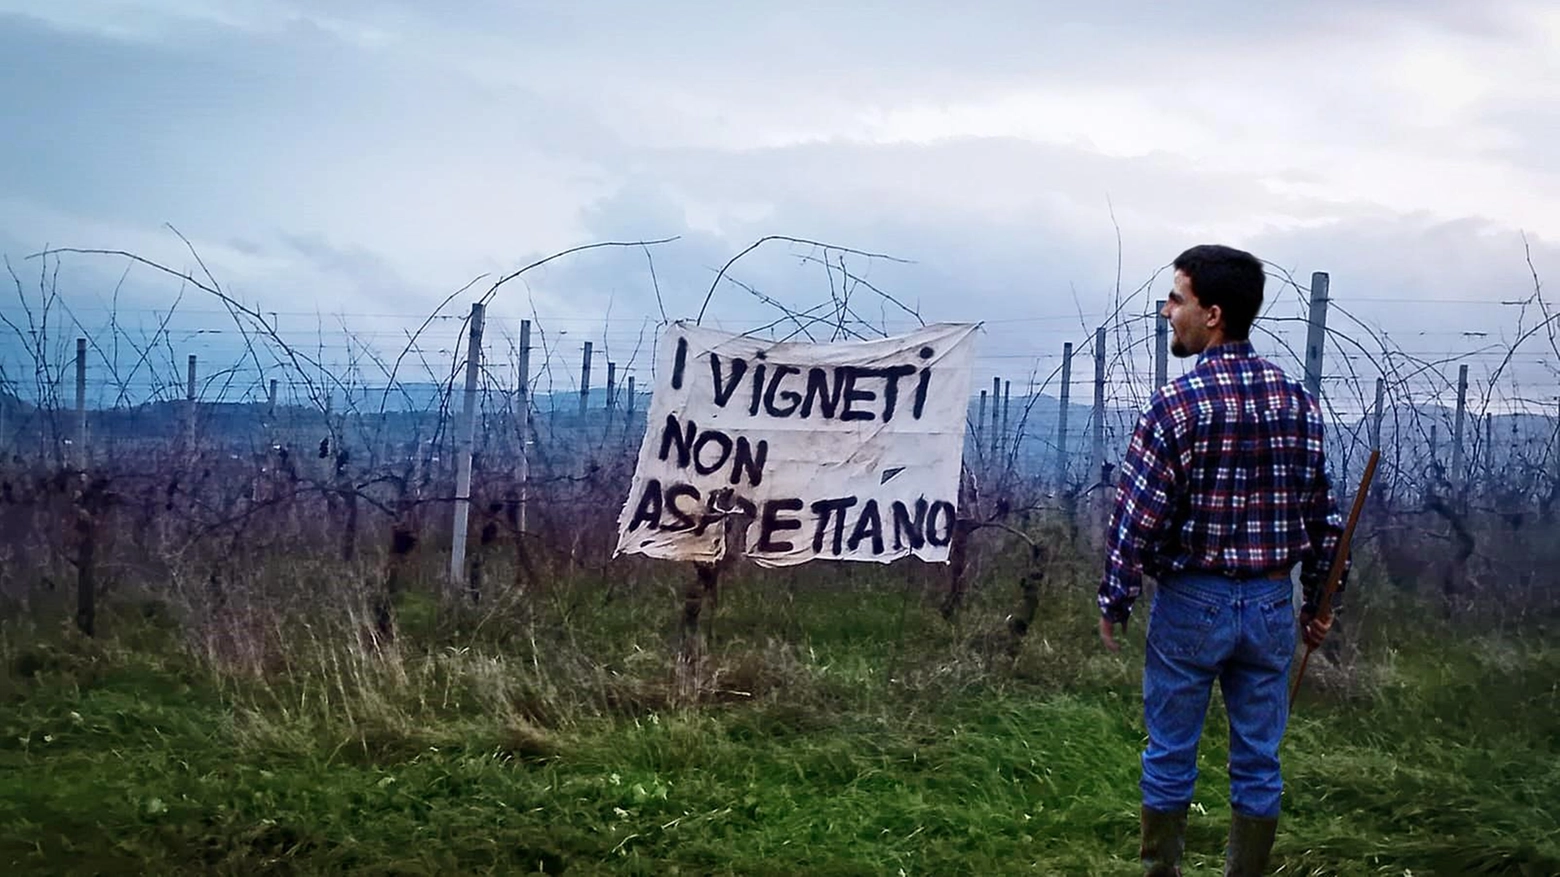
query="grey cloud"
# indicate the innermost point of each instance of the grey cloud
(354, 171)
(1050, 228)
(991, 176)
(1531, 130)
(1435, 288)
(1420, 259)
(1387, 269)
(86, 121)
(230, 136)
(923, 44)
(247, 247)
(862, 52)
(364, 271)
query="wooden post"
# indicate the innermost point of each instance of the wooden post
(630, 405)
(189, 403)
(1098, 459)
(268, 456)
(585, 381)
(88, 507)
(690, 647)
(464, 436)
(1489, 449)
(270, 414)
(329, 446)
(1375, 429)
(524, 405)
(1554, 454)
(1007, 403)
(611, 384)
(980, 422)
(996, 408)
(82, 457)
(1161, 347)
(1317, 336)
(1459, 476)
(1375, 433)
(1061, 417)
(346, 492)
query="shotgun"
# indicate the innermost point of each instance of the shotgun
(1340, 558)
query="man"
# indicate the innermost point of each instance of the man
(1223, 491)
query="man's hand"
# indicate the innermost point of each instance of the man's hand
(1314, 629)
(1107, 636)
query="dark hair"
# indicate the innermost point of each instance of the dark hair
(1227, 277)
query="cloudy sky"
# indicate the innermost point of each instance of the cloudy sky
(355, 162)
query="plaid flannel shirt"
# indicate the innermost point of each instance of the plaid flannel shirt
(1224, 474)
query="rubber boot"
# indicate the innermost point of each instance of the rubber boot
(1164, 839)
(1251, 840)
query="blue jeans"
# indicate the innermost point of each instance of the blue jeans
(1203, 628)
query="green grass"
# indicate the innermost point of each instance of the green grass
(845, 732)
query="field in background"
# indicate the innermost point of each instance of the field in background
(844, 726)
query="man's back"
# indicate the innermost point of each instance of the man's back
(1225, 474)
(1250, 443)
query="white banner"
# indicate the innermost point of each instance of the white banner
(844, 451)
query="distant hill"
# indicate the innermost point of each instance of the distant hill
(413, 409)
